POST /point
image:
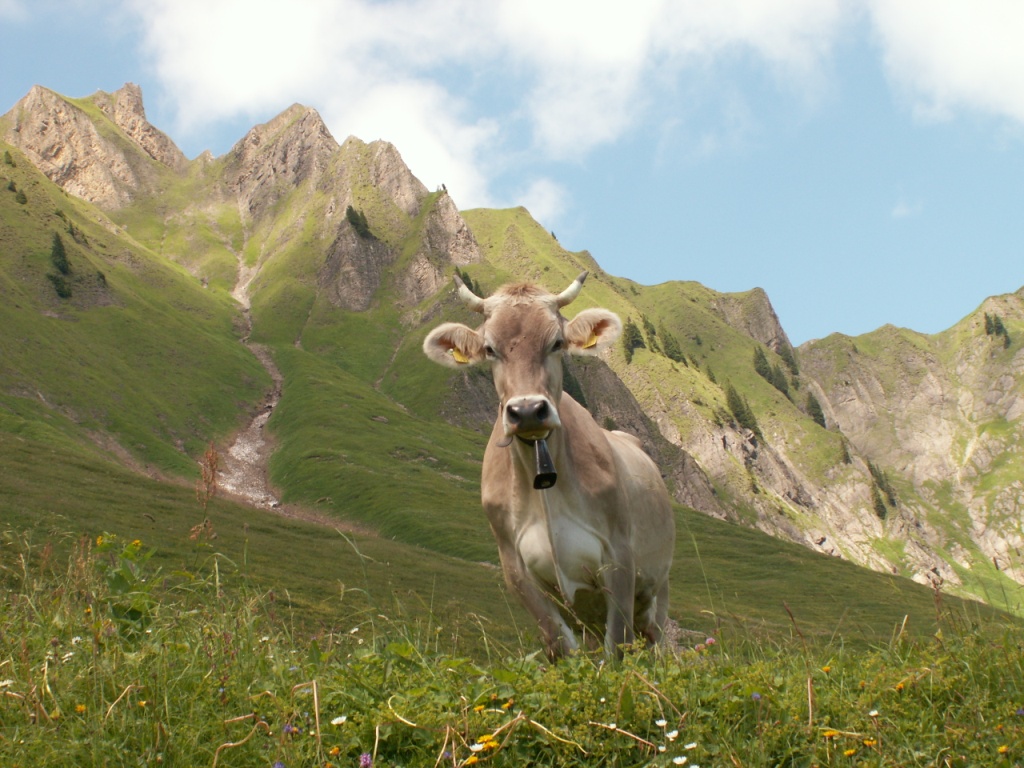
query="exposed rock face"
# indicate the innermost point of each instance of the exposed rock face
(389, 174)
(124, 107)
(445, 240)
(278, 156)
(354, 270)
(752, 313)
(944, 413)
(64, 142)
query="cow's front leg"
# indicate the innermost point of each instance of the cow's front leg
(559, 639)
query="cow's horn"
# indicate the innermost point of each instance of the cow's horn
(469, 298)
(570, 293)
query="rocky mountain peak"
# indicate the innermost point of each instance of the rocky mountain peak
(124, 106)
(64, 142)
(392, 176)
(279, 155)
(752, 313)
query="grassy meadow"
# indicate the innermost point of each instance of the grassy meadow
(108, 658)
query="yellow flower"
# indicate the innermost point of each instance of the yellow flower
(335, 751)
(826, 669)
(831, 734)
(870, 742)
(478, 708)
(137, 544)
(80, 708)
(899, 686)
(507, 704)
(143, 703)
(99, 541)
(1003, 749)
(849, 752)
(471, 759)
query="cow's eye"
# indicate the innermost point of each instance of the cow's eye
(558, 346)
(489, 351)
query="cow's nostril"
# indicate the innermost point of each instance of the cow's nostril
(541, 411)
(515, 414)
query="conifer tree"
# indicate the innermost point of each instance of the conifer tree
(632, 338)
(670, 344)
(814, 410)
(58, 256)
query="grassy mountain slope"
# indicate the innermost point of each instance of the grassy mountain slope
(143, 366)
(139, 351)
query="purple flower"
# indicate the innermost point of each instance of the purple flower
(365, 760)
(278, 764)
(289, 729)
(755, 696)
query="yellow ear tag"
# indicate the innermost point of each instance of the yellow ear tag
(591, 342)
(459, 357)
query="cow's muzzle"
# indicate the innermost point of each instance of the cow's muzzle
(530, 417)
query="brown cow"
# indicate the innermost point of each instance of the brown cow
(592, 549)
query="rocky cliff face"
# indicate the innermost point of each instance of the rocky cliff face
(93, 159)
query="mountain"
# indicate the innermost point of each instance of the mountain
(288, 285)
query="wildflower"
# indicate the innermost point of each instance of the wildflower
(365, 760)
(831, 734)
(478, 708)
(755, 696)
(478, 747)
(1020, 712)
(672, 735)
(508, 704)
(661, 723)
(680, 760)
(662, 748)
(826, 669)
(143, 703)
(88, 610)
(334, 751)
(710, 641)
(6, 683)
(80, 708)
(691, 745)
(471, 760)
(340, 720)
(1003, 749)
(873, 713)
(99, 541)
(137, 544)
(899, 686)
(870, 743)
(849, 752)
(76, 640)
(278, 764)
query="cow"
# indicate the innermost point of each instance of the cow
(582, 518)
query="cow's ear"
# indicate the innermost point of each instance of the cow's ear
(454, 345)
(592, 331)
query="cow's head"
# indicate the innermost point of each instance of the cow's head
(523, 336)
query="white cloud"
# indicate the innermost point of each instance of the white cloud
(13, 10)
(905, 209)
(545, 199)
(955, 54)
(467, 90)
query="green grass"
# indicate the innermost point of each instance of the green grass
(108, 660)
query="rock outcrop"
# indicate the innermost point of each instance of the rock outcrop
(108, 165)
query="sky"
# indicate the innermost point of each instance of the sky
(862, 161)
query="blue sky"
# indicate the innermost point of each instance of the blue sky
(860, 160)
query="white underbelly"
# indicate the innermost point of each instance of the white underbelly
(568, 558)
